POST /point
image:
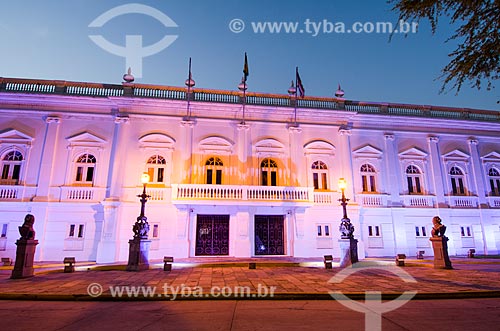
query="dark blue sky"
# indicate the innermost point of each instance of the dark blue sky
(50, 40)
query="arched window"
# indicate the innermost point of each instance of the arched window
(494, 176)
(85, 169)
(414, 179)
(368, 178)
(457, 181)
(214, 168)
(11, 167)
(156, 169)
(268, 172)
(320, 175)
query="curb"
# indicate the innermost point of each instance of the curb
(251, 296)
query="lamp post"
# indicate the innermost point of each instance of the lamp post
(348, 245)
(139, 245)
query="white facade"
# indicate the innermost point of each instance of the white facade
(72, 154)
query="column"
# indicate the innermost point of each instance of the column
(437, 175)
(116, 174)
(477, 173)
(297, 171)
(392, 170)
(346, 161)
(187, 152)
(47, 166)
(479, 186)
(243, 149)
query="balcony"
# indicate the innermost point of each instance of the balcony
(206, 194)
(422, 201)
(82, 194)
(494, 201)
(16, 192)
(462, 201)
(372, 200)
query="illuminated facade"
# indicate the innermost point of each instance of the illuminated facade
(72, 154)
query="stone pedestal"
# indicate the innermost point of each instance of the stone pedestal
(138, 254)
(25, 255)
(440, 247)
(348, 252)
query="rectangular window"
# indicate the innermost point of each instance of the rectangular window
(264, 178)
(160, 175)
(372, 183)
(16, 171)
(410, 185)
(461, 185)
(465, 231)
(323, 230)
(155, 230)
(420, 231)
(454, 186)
(151, 173)
(218, 177)
(209, 176)
(492, 186)
(315, 181)
(80, 230)
(365, 184)
(90, 174)
(4, 230)
(273, 178)
(5, 171)
(373, 231)
(71, 230)
(79, 174)
(417, 184)
(323, 181)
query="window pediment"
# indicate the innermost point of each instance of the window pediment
(319, 147)
(413, 153)
(216, 145)
(270, 147)
(86, 139)
(491, 157)
(368, 152)
(156, 141)
(456, 155)
(14, 136)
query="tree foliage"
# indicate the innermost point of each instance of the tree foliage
(477, 57)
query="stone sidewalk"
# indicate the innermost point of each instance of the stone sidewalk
(285, 278)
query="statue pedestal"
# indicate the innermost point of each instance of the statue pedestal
(348, 252)
(138, 254)
(25, 255)
(441, 258)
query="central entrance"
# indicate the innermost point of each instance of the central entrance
(212, 235)
(269, 235)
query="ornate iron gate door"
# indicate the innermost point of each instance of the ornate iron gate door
(269, 235)
(212, 235)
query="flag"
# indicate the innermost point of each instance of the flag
(245, 69)
(300, 88)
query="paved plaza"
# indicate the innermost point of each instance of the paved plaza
(285, 278)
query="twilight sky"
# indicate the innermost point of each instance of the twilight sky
(50, 40)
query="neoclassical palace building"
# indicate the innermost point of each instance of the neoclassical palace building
(72, 154)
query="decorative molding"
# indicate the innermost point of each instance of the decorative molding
(156, 141)
(85, 139)
(319, 147)
(13, 136)
(473, 141)
(52, 119)
(389, 136)
(216, 145)
(367, 152)
(433, 139)
(122, 119)
(456, 155)
(413, 153)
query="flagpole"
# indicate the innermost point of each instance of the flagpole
(296, 99)
(189, 83)
(243, 86)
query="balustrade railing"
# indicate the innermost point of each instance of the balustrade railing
(235, 97)
(463, 201)
(419, 200)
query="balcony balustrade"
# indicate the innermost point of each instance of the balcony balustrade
(424, 201)
(463, 201)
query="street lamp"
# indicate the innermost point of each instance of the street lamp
(348, 245)
(141, 226)
(346, 228)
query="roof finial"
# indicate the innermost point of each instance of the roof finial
(128, 77)
(340, 92)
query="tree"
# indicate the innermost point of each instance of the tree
(477, 57)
